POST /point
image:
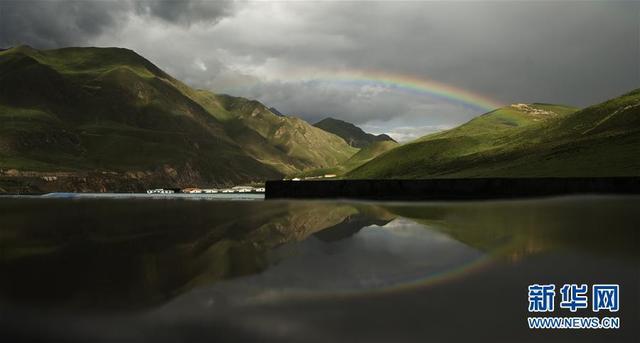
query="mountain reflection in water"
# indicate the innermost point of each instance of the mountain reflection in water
(172, 269)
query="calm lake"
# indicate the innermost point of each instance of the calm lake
(172, 269)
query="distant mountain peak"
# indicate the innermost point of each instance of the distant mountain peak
(385, 137)
(331, 119)
(352, 134)
(276, 112)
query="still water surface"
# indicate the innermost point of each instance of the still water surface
(113, 268)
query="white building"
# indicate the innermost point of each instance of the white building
(160, 191)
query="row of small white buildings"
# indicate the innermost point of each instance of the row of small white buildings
(326, 176)
(236, 189)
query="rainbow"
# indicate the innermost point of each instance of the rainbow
(430, 280)
(399, 82)
(473, 266)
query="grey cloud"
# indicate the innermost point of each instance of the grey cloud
(48, 24)
(58, 23)
(186, 12)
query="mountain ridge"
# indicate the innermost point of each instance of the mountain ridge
(353, 135)
(89, 110)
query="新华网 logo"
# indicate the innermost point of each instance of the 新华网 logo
(574, 298)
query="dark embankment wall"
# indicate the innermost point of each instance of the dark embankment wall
(451, 189)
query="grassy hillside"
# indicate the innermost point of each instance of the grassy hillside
(368, 153)
(110, 110)
(288, 144)
(524, 140)
(352, 134)
(362, 156)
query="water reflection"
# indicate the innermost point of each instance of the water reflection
(596, 225)
(136, 253)
(374, 257)
(191, 267)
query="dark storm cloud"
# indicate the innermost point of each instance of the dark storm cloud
(568, 52)
(185, 12)
(56, 23)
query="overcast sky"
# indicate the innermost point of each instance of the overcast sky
(284, 53)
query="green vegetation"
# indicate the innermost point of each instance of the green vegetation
(368, 153)
(109, 109)
(351, 133)
(364, 155)
(524, 140)
(288, 144)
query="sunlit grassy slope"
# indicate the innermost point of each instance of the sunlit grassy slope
(79, 109)
(362, 156)
(368, 153)
(530, 140)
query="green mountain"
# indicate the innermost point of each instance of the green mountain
(288, 144)
(364, 155)
(368, 153)
(524, 140)
(352, 134)
(108, 119)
